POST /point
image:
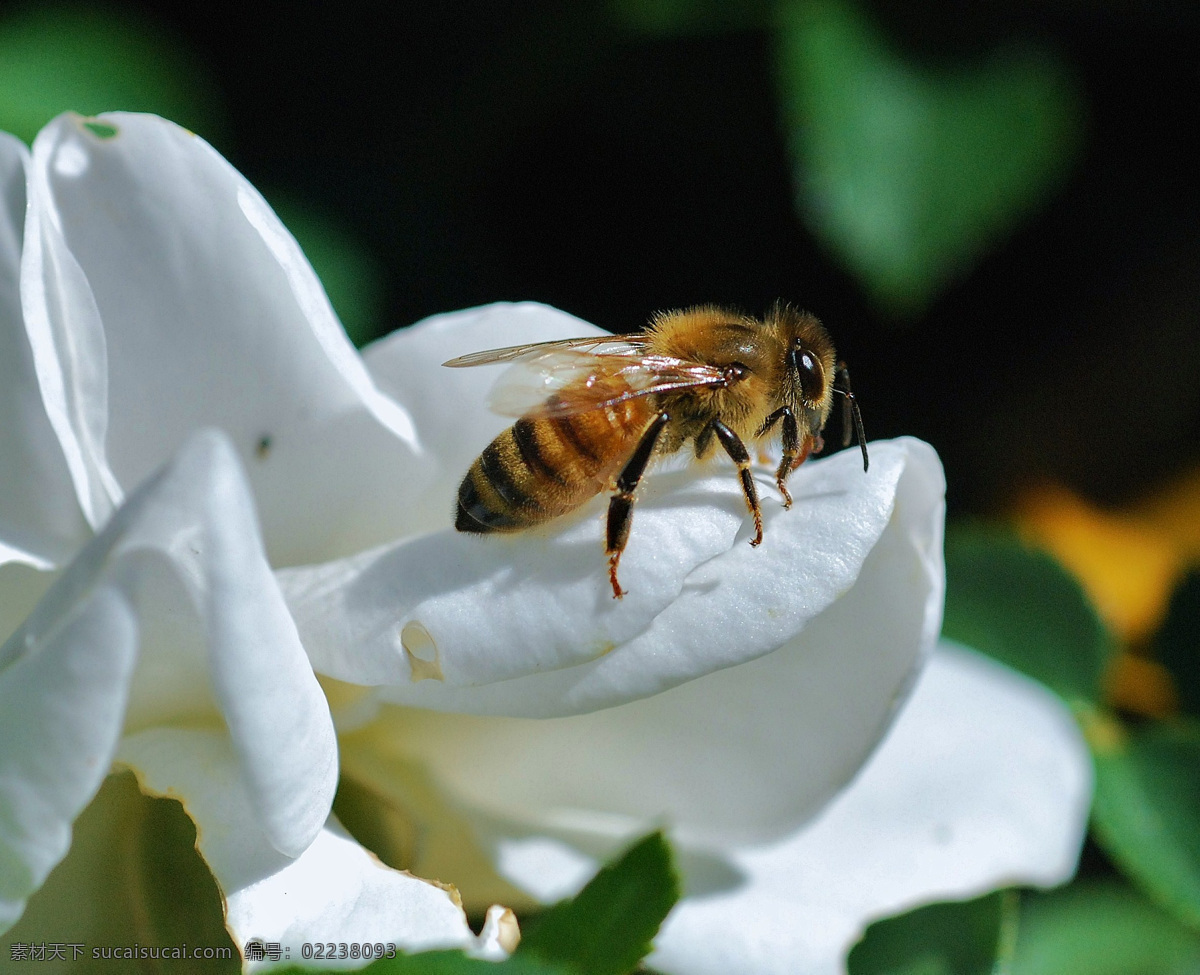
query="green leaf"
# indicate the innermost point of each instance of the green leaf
(910, 173)
(963, 938)
(1147, 812)
(349, 273)
(1177, 646)
(1101, 928)
(608, 927)
(1019, 606)
(58, 58)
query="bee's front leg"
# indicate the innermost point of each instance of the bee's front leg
(793, 453)
(739, 455)
(793, 456)
(620, 505)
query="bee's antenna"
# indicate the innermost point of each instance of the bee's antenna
(850, 412)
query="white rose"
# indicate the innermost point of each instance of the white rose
(155, 312)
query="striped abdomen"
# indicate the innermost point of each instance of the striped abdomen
(544, 466)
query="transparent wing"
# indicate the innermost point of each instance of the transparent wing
(599, 344)
(566, 381)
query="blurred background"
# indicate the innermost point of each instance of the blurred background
(994, 209)
(992, 206)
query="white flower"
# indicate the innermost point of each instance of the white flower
(730, 695)
(153, 312)
(983, 782)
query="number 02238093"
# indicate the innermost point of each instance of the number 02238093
(328, 950)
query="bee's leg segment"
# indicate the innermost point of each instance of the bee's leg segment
(794, 453)
(791, 455)
(769, 422)
(620, 505)
(737, 451)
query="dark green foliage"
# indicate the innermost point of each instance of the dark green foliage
(608, 927)
(959, 938)
(1021, 607)
(1177, 646)
(1147, 812)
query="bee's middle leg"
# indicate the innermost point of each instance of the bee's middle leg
(620, 505)
(739, 455)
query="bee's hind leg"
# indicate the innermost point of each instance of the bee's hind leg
(739, 455)
(620, 505)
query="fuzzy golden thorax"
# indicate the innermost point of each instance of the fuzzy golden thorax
(784, 360)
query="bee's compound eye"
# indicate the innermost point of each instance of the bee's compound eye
(808, 369)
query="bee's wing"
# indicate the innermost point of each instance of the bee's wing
(601, 344)
(566, 381)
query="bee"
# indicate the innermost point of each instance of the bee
(604, 407)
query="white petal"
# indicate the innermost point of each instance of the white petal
(449, 406)
(270, 699)
(333, 891)
(61, 706)
(41, 522)
(499, 936)
(194, 306)
(66, 339)
(215, 637)
(21, 586)
(984, 782)
(746, 751)
(476, 613)
(483, 611)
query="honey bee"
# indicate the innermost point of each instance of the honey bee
(606, 406)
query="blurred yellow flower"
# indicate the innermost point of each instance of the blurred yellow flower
(1129, 562)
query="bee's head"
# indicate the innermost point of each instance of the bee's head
(816, 375)
(810, 361)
